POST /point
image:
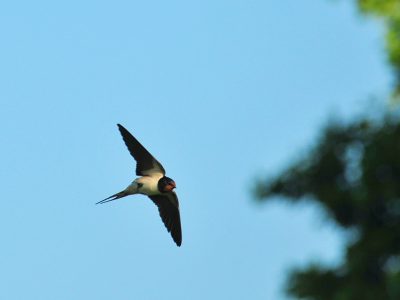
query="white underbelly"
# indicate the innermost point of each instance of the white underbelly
(148, 185)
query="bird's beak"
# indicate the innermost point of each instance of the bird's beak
(170, 186)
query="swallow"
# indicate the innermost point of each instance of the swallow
(152, 183)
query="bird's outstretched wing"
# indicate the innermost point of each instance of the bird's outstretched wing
(146, 163)
(168, 207)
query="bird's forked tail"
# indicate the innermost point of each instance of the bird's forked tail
(114, 197)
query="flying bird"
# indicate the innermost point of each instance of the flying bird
(152, 183)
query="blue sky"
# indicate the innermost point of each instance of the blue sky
(221, 92)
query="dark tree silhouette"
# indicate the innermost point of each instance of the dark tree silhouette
(354, 173)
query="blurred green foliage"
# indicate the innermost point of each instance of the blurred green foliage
(354, 174)
(389, 12)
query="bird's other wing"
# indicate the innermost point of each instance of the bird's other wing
(146, 163)
(168, 207)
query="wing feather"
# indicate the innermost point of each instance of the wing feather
(146, 163)
(168, 207)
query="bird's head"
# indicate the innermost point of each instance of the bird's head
(166, 184)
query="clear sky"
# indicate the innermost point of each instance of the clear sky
(220, 92)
